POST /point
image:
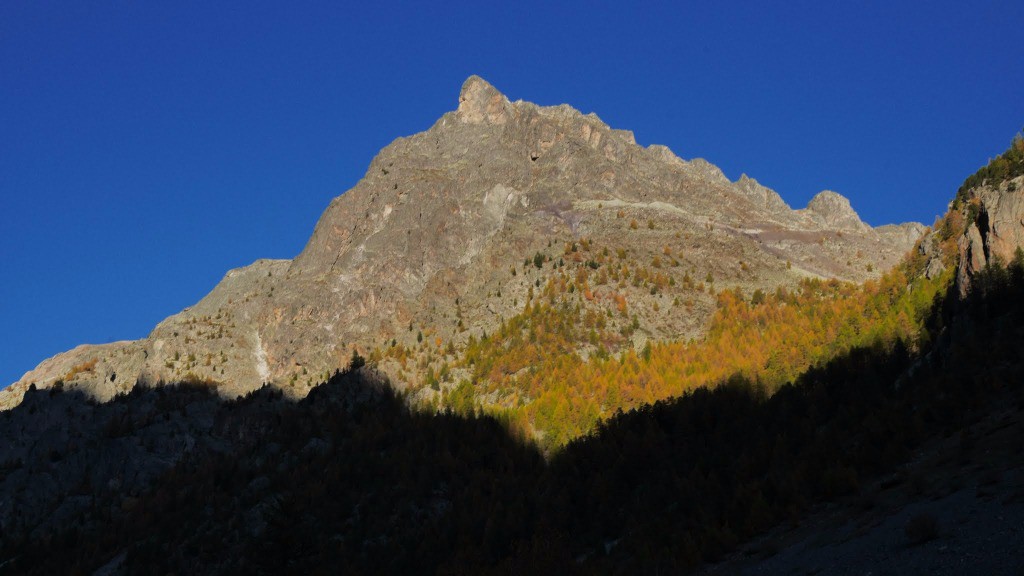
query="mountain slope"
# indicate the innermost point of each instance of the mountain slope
(436, 242)
(350, 476)
(175, 479)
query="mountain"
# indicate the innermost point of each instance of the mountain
(898, 457)
(452, 230)
(897, 454)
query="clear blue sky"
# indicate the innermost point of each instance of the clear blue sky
(148, 147)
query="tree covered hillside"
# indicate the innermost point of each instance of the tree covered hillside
(795, 399)
(351, 478)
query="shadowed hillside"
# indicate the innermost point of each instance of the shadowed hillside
(350, 478)
(853, 389)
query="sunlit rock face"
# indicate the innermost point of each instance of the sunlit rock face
(996, 230)
(427, 241)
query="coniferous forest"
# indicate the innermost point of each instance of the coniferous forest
(806, 399)
(352, 479)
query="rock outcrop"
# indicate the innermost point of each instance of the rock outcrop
(430, 240)
(833, 211)
(995, 228)
(763, 197)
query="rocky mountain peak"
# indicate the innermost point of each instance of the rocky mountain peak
(762, 196)
(481, 103)
(708, 171)
(834, 211)
(428, 249)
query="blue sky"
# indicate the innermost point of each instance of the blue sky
(146, 148)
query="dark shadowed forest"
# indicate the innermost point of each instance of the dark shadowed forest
(352, 479)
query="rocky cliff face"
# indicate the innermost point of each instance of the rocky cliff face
(431, 240)
(834, 212)
(995, 213)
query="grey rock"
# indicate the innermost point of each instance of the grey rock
(996, 232)
(440, 218)
(762, 197)
(833, 210)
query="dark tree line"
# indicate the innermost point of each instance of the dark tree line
(352, 480)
